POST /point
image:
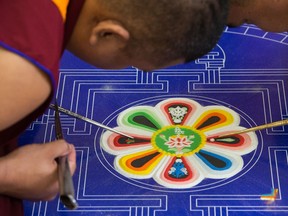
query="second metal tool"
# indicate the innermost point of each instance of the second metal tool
(66, 186)
(68, 112)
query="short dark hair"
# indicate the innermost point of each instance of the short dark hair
(171, 29)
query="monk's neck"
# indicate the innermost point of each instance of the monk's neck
(270, 15)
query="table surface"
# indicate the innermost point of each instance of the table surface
(247, 72)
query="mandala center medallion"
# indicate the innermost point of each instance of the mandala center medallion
(178, 140)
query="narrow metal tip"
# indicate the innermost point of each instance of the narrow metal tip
(69, 201)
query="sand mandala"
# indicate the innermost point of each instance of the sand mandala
(176, 143)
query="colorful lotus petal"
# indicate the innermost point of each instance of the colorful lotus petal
(173, 143)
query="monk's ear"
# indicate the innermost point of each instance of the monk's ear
(107, 31)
